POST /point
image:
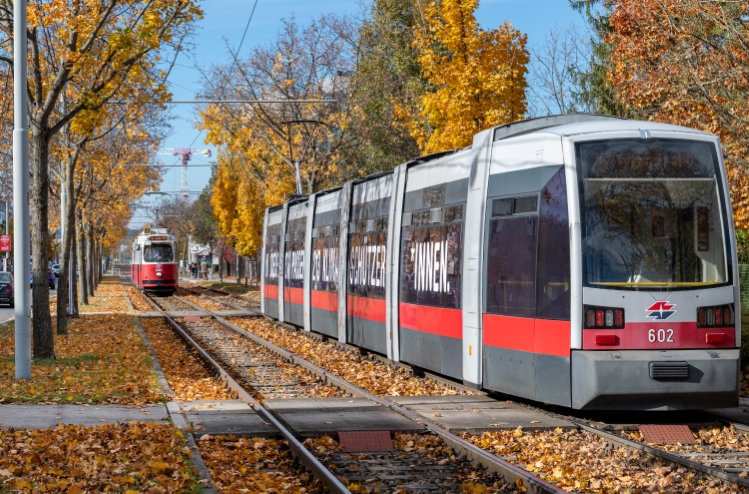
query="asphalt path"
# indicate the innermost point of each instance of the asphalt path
(7, 312)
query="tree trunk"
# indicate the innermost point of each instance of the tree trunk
(74, 250)
(44, 338)
(221, 261)
(82, 277)
(88, 234)
(66, 249)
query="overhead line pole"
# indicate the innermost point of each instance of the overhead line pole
(22, 222)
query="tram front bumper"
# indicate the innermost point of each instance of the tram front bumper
(655, 380)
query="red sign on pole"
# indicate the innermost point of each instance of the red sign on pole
(4, 243)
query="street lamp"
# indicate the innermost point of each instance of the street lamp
(20, 195)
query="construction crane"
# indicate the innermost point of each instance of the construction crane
(185, 154)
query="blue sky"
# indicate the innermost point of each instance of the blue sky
(225, 20)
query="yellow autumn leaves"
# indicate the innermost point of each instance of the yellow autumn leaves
(477, 77)
(470, 79)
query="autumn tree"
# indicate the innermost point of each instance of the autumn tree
(387, 75)
(685, 62)
(305, 74)
(95, 53)
(477, 78)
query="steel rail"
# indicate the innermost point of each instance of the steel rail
(494, 463)
(305, 456)
(628, 443)
(332, 379)
(344, 346)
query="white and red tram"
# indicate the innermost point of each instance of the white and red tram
(579, 260)
(154, 267)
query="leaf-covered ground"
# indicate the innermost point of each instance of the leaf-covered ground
(102, 360)
(374, 376)
(137, 298)
(201, 301)
(109, 298)
(182, 366)
(582, 462)
(709, 440)
(254, 465)
(125, 458)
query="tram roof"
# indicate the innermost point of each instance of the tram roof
(583, 123)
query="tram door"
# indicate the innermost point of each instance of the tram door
(293, 279)
(431, 325)
(368, 231)
(526, 321)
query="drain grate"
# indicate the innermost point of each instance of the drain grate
(667, 434)
(357, 441)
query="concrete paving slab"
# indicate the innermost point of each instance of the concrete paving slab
(477, 414)
(149, 314)
(452, 401)
(235, 313)
(225, 417)
(314, 416)
(187, 313)
(44, 416)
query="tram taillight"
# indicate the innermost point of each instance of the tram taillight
(714, 317)
(603, 317)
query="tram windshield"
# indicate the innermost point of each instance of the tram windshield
(652, 214)
(158, 253)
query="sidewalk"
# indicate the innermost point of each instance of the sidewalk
(97, 418)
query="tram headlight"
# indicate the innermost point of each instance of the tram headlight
(158, 274)
(715, 317)
(603, 317)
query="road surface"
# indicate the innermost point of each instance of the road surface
(6, 312)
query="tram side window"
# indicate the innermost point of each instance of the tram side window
(367, 256)
(158, 253)
(553, 271)
(431, 257)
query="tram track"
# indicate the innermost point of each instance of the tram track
(707, 468)
(232, 300)
(271, 377)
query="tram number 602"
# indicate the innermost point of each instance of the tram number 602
(661, 336)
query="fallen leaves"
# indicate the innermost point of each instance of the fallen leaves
(374, 376)
(109, 297)
(254, 465)
(583, 462)
(102, 359)
(135, 457)
(182, 366)
(202, 301)
(138, 300)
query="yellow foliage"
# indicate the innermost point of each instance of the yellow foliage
(477, 77)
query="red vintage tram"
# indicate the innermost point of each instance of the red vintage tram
(154, 267)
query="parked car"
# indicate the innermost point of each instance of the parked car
(6, 289)
(50, 278)
(56, 270)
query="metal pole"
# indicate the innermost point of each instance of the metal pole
(7, 231)
(298, 178)
(21, 195)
